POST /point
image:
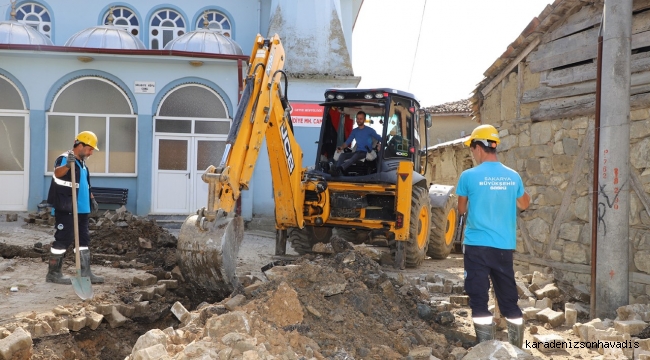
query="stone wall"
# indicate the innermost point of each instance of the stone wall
(555, 160)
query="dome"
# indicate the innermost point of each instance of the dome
(105, 37)
(13, 32)
(205, 41)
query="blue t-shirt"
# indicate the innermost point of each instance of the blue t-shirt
(363, 137)
(83, 196)
(492, 190)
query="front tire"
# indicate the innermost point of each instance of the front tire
(303, 240)
(419, 228)
(443, 230)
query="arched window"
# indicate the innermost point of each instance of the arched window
(216, 22)
(165, 26)
(124, 18)
(100, 106)
(36, 16)
(12, 128)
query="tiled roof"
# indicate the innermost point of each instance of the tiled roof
(460, 106)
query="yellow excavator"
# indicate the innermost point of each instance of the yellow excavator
(382, 199)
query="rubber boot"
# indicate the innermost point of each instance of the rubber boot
(85, 268)
(54, 274)
(515, 334)
(485, 332)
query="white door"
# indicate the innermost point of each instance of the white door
(14, 161)
(208, 152)
(172, 175)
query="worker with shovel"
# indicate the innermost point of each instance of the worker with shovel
(66, 215)
(490, 194)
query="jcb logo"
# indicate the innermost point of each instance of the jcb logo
(287, 146)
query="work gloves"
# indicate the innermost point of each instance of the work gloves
(93, 206)
(70, 159)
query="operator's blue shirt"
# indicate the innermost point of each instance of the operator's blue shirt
(492, 190)
(363, 137)
(83, 196)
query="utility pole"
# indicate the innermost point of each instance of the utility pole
(612, 273)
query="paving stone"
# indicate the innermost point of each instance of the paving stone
(126, 310)
(548, 342)
(93, 319)
(522, 290)
(41, 329)
(144, 280)
(231, 304)
(150, 338)
(170, 284)
(251, 288)
(462, 300)
(551, 317)
(156, 352)
(160, 289)
(115, 319)
(435, 287)
(58, 324)
(147, 293)
(420, 353)
(16, 346)
(60, 310)
(140, 308)
(530, 313)
(525, 303)
(104, 309)
(548, 291)
(77, 323)
(570, 316)
(443, 306)
(179, 311)
(545, 303)
(631, 327)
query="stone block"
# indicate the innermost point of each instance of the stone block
(147, 293)
(524, 303)
(458, 289)
(150, 338)
(160, 289)
(126, 310)
(232, 303)
(570, 316)
(77, 323)
(60, 310)
(522, 290)
(443, 306)
(169, 284)
(144, 280)
(530, 313)
(435, 287)
(41, 329)
(553, 318)
(58, 324)
(104, 309)
(462, 300)
(93, 319)
(631, 327)
(542, 279)
(423, 353)
(248, 290)
(179, 311)
(548, 342)
(140, 308)
(115, 319)
(548, 291)
(16, 346)
(156, 352)
(544, 303)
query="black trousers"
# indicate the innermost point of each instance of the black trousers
(64, 235)
(346, 160)
(483, 263)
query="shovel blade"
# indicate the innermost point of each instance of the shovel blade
(82, 287)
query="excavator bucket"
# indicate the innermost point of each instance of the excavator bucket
(208, 258)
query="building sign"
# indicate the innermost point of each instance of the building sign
(145, 87)
(305, 114)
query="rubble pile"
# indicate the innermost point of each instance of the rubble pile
(340, 307)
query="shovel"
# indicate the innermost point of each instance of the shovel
(81, 285)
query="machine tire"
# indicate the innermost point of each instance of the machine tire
(443, 229)
(302, 240)
(419, 228)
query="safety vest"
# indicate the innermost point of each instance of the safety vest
(60, 193)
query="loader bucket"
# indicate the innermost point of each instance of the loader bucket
(208, 258)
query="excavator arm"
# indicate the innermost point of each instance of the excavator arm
(209, 241)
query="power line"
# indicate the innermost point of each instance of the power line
(417, 45)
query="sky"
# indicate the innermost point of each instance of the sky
(458, 41)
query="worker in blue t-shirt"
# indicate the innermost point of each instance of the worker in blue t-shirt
(363, 135)
(490, 194)
(60, 197)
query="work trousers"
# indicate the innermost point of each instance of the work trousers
(64, 235)
(483, 264)
(345, 162)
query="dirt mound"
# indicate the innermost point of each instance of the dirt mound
(138, 239)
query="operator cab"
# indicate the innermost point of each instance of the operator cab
(395, 116)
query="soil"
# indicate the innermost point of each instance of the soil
(351, 306)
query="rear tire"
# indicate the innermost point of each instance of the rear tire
(443, 229)
(419, 228)
(302, 240)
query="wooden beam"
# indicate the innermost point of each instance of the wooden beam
(567, 200)
(584, 107)
(587, 17)
(496, 80)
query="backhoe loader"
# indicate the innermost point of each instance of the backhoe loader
(383, 199)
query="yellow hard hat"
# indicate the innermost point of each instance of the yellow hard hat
(483, 132)
(87, 137)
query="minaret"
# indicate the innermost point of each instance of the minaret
(312, 32)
